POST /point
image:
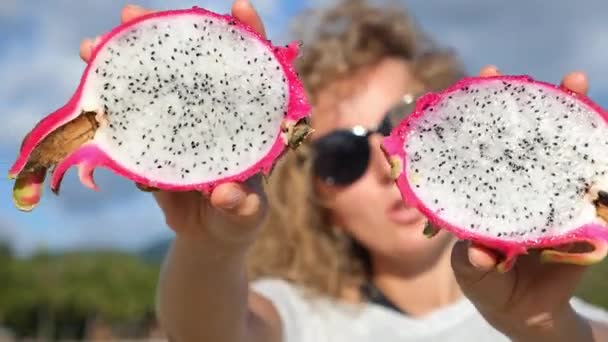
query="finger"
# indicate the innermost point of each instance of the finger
(237, 200)
(237, 213)
(96, 41)
(485, 287)
(463, 265)
(245, 12)
(236, 204)
(481, 258)
(576, 81)
(228, 196)
(86, 46)
(566, 277)
(130, 12)
(489, 70)
(250, 207)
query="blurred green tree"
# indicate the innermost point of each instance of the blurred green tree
(57, 296)
(594, 286)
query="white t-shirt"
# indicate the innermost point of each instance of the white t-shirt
(307, 319)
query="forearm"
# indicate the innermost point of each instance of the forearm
(203, 292)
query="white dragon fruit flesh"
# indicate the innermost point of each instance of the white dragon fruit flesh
(510, 163)
(177, 100)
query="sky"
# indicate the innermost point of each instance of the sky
(40, 68)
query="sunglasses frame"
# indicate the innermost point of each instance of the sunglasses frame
(398, 112)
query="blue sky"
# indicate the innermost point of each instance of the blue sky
(40, 68)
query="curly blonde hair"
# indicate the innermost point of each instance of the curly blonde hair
(298, 242)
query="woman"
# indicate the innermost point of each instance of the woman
(334, 254)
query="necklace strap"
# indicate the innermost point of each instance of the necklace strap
(374, 295)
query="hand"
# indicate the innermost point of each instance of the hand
(233, 212)
(531, 301)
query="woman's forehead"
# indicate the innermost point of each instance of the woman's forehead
(365, 103)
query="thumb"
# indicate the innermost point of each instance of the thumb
(240, 202)
(475, 271)
(238, 215)
(472, 262)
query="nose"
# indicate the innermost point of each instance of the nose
(378, 162)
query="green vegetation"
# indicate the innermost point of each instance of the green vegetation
(58, 296)
(594, 287)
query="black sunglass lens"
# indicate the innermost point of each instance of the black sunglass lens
(341, 157)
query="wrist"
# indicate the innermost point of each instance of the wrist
(565, 325)
(208, 250)
(222, 236)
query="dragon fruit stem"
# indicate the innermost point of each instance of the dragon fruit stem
(429, 230)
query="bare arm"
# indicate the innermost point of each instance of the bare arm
(531, 301)
(203, 293)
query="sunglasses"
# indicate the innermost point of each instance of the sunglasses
(342, 156)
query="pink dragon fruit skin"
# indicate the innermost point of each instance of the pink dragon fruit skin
(404, 150)
(287, 119)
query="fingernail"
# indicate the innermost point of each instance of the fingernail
(472, 262)
(233, 198)
(470, 246)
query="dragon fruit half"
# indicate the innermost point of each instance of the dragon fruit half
(176, 100)
(510, 163)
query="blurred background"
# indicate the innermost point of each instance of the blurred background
(84, 265)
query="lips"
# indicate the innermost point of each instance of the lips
(402, 214)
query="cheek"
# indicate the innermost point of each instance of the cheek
(362, 205)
